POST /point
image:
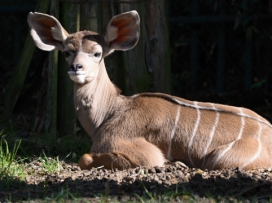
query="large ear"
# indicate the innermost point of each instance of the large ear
(123, 31)
(46, 31)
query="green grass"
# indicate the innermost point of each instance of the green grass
(9, 166)
(179, 194)
(64, 194)
(50, 165)
(11, 169)
(12, 166)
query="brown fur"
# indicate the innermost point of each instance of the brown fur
(149, 128)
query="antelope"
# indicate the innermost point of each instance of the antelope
(148, 129)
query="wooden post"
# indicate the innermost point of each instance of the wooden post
(66, 114)
(136, 75)
(89, 16)
(52, 88)
(157, 50)
(147, 66)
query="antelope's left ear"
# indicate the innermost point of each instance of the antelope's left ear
(123, 31)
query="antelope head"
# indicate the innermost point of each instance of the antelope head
(85, 50)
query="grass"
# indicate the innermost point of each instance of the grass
(50, 165)
(64, 194)
(11, 169)
(19, 151)
(179, 194)
(9, 166)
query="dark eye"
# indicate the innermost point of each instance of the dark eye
(66, 53)
(97, 54)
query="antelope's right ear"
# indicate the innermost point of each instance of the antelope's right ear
(46, 31)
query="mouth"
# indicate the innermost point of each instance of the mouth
(77, 76)
(76, 73)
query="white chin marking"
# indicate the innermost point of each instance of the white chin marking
(78, 78)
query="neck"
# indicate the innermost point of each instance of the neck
(94, 101)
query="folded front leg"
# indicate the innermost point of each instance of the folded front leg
(109, 161)
(126, 154)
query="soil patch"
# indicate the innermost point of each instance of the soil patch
(171, 183)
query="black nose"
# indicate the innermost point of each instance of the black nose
(75, 67)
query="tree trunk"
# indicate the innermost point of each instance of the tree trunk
(14, 87)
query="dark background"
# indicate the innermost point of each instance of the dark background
(221, 51)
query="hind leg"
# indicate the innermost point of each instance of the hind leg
(244, 153)
(127, 154)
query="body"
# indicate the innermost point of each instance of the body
(179, 137)
(150, 128)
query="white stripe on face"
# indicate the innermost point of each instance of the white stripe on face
(211, 134)
(194, 133)
(232, 143)
(173, 133)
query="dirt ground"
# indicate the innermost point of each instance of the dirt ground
(172, 183)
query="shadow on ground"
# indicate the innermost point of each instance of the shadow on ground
(170, 183)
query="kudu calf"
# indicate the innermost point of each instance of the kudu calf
(149, 128)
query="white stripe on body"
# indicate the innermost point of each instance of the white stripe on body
(168, 97)
(232, 143)
(219, 110)
(211, 135)
(194, 133)
(257, 154)
(173, 133)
